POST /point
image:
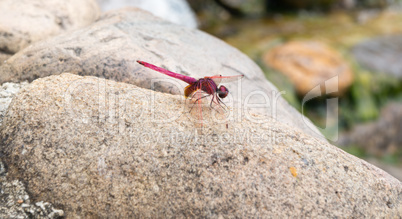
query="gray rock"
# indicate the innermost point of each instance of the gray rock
(2, 169)
(104, 149)
(15, 202)
(175, 11)
(7, 92)
(348, 4)
(110, 47)
(10, 193)
(4, 57)
(380, 138)
(23, 22)
(46, 210)
(381, 55)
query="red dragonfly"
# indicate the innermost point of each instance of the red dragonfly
(208, 85)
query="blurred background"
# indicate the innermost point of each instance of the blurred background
(301, 43)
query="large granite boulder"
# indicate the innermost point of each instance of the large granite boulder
(102, 149)
(175, 11)
(23, 22)
(110, 47)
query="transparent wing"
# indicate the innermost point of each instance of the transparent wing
(225, 79)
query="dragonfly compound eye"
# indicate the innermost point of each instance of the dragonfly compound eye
(222, 91)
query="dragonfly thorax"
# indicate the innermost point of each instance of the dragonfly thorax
(222, 91)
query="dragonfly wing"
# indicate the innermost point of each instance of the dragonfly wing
(225, 79)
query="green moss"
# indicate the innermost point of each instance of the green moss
(393, 159)
(364, 103)
(356, 151)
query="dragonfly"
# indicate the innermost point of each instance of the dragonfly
(207, 85)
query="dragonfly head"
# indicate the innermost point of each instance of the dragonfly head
(222, 91)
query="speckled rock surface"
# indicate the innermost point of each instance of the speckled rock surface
(104, 149)
(175, 11)
(23, 22)
(16, 203)
(14, 200)
(110, 47)
(7, 92)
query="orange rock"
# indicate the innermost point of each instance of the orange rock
(293, 171)
(308, 64)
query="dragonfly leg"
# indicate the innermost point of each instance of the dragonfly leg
(218, 102)
(193, 94)
(213, 97)
(198, 100)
